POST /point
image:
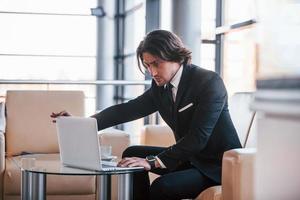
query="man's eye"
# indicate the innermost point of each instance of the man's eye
(155, 64)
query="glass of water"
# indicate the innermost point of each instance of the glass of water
(106, 151)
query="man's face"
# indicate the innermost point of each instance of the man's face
(161, 71)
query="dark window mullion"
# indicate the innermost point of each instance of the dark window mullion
(219, 38)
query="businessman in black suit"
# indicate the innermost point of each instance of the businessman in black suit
(193, 102)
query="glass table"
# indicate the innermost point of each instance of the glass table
(36, 167)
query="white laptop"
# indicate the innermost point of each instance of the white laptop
(79, 145)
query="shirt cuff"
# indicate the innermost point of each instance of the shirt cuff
(160, 162)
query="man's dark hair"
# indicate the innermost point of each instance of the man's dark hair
(165, 45)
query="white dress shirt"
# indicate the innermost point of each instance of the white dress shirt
(174, 82)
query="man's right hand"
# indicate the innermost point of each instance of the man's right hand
(62, 113)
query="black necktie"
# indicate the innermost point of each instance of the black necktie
(169, 87)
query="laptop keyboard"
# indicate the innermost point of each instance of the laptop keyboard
(112, 166)
(104, 168)
(109, 163)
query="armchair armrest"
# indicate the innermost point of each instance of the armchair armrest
(2, 152)
(238, 174)
(118, 139)
(2, 160)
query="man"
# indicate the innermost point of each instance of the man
(193, 102)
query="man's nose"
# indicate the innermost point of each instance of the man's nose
(152, 71)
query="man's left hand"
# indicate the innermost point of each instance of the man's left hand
(134, 162)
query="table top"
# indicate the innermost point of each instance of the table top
(51, 164)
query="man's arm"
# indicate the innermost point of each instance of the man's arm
(203, 122)
(125, 112)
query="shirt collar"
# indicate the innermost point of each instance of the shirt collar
(176, 79)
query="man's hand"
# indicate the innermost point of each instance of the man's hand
(134, 162)
(62, 113)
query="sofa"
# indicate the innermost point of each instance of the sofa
(237, 164)
(29, 129)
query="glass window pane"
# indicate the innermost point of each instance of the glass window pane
(5, 87)
(47, 46)
(48, 6)
(44, 34)
(208, 56)
(239, 62)
(47, 68)
(208, 19)
(237, 11)
(133, 33)
(132, 73)
(166, 14)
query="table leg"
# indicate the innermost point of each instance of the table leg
(33, 186)
(26, 185)
(104, 187)
(125, 183)
(39, 186)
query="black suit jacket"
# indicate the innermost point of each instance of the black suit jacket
(203, 131)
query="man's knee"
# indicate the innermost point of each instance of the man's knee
(160, 188)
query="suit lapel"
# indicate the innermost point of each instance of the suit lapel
(165, 112)
(185, 77)
(165, 108)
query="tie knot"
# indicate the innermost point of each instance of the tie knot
(169, 86)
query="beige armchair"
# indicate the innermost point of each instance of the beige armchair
(237, 169)
(29, 129)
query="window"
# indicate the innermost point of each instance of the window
(133, 34)
(239, 65)
(48, 40)
(208, 25)
(230, 49)
(239, 61)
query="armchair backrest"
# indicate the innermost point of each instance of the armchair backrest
(241, 115)
(29, 127)
(2, 117)
(157, 135)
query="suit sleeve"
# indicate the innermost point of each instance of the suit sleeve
(204, 119)
(125, 112)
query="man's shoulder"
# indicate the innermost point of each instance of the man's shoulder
(203, 80)
(201, 74)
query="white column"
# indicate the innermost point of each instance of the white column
(278, 144)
